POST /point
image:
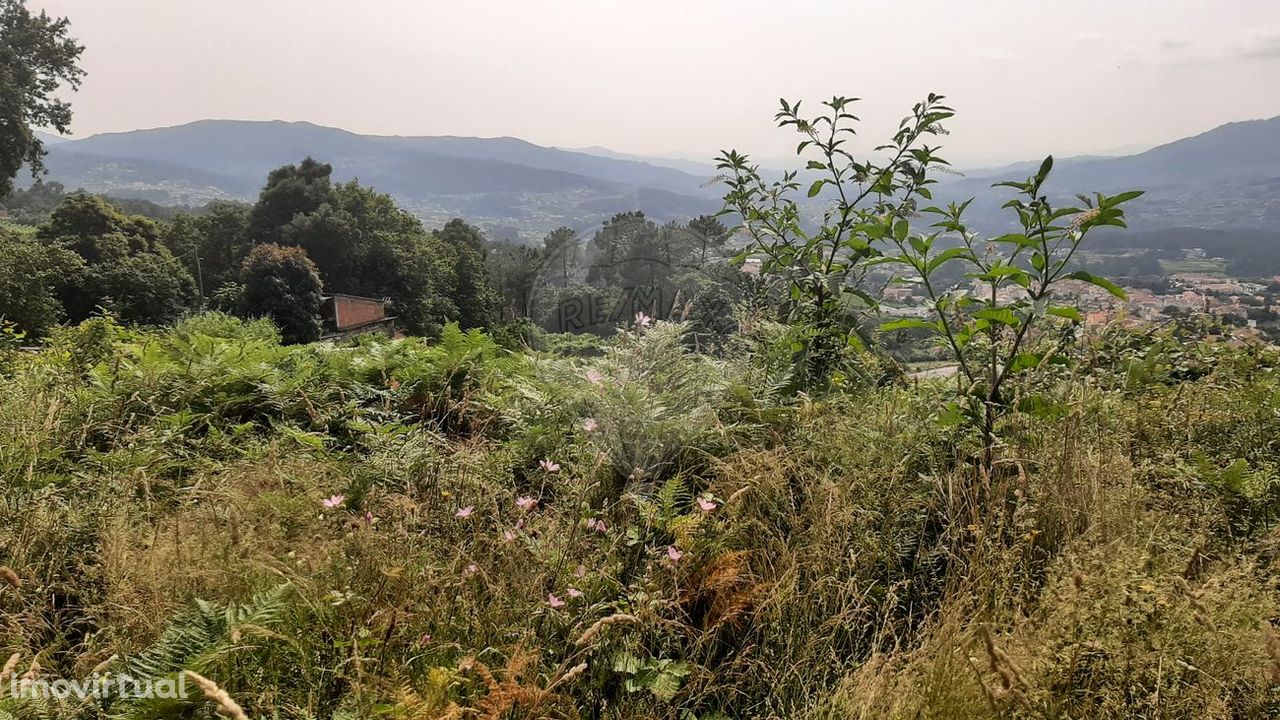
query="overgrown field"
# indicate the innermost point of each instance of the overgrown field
(402, 530)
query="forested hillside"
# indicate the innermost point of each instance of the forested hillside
(491, 180)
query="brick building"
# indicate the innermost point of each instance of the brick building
(347, 316)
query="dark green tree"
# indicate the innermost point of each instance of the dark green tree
(212, 244)
(624, 252)
(125, 267)
(561, 249)
(31, 206)
(362, 243)
(290, 190)
(148, 288)
(709, 236)
(97, 230)
(37, 56)
(281, 283)
(515, 271)
(333, 240)
(476, 301)
(30, 275)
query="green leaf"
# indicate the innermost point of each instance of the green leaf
(667, 681)
(1101, 282)
(1018, 239)
(901, 229)
(948, 255)
(1000, 271)
(1045, 167)
(1004, 316)
(1067, 312)
(1025, 361)
(1124, 197)
(816, 187)
(625, 662)
(910, 324)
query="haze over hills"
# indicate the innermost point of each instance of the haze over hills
(491, 180)
(1226, 178)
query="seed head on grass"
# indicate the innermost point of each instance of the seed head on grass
(226, 706)
(1012, 681)
(9, 666)
(1272, 639)
(598, 627)
(1201, 611)
(8, 575)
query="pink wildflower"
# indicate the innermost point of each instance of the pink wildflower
(590, 425)
(706, 505)
(597, 524)
(594, 377)
(673, 553)
(334, 501)
(549, 466)
(554, 602)
(643, 320)
(574, 593)
(508, 535)
(470, 570)
(524, 502)
(465, 512)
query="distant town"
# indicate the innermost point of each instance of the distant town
(1196, 286)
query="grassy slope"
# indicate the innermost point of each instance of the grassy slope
(1118, 565)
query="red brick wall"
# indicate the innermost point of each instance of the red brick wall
(353, 311)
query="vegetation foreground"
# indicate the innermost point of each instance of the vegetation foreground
(403, 530)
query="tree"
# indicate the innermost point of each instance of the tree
(610, 244)
(149, 288)
(30, 274)
(31, 206)
(710, 235)
(515, 270)
(363, 244)
(333, 240)
(475, 300)
(290, 190)
(212, 245)
(97, 230)
(36, 57)
(281, 283)
(125, 268)
(561, 247)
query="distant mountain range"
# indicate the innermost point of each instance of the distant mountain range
(497, 181)
(1226, 178)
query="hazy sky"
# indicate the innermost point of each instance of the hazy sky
(685, 77)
